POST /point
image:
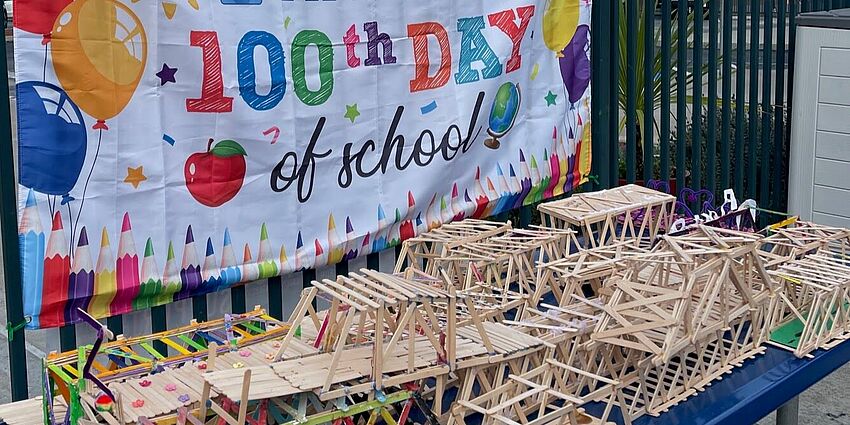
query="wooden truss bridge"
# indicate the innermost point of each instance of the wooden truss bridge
(483, 323)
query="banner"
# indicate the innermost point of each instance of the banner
(174, 148)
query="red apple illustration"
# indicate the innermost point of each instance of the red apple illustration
(215, 176)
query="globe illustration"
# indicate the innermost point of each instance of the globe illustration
(503, 113)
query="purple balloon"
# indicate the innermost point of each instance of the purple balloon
(575, 65)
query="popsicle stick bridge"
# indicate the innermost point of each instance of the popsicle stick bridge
(483, 323)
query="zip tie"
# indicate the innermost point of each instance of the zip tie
(783, 223)
(791, 279)
(593, 178)
(11, 329)
(780, 213)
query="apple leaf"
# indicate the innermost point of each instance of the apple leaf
(226, 148)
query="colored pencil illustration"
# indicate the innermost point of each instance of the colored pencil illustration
(457, 205)
(506, 198)
(231, 274)
(446, 214)
(395, 230)
(171, 282)
(406, 229)
(517, 189)
(210, 271)
(250, 272)
(285, 265)
(379, 242)
(31, 239)
(336, 247)
(495, 199)
(126, 270)
(190, 269)
(105, 285)
(265, 257)
(421, 227)
(561, 187)
(555, 170)
(151, 281)
(81, 280)
(482, 201)
(539, 181)
(554, 167)
(432, 214)
(351, 250)
(525, 181)
(571, 164)
(57, 268)
(366, 245)
(583, 151)
(300, 255)
(321, 255)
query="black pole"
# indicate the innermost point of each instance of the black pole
(11, 253)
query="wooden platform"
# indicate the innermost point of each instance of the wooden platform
(29, 412)
(308, 373)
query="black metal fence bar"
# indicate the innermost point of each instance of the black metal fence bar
(712, 109)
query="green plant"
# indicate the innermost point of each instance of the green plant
(640, 55)
(751, 158)
(656, 62)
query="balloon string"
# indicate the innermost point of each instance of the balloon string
(44, 67)
(570, 119)
(71, 220)
(86, 186)
(52, 204)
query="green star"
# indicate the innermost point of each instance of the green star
(351, 112)
(550, 98)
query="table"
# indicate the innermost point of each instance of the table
(749, 393)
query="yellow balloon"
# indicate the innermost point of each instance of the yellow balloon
(99, 50)
(559, 23)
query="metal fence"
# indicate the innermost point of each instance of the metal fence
(696, 95)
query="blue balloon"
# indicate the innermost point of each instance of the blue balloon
(51, 138)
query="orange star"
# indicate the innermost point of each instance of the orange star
(135, 176)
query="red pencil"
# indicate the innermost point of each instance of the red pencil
(57, 269)
(126, 271)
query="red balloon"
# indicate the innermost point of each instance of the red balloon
(37, 16)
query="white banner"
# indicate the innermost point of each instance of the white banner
(175, 148)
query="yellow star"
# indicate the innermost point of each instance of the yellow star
(135, 176)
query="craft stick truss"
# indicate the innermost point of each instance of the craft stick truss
(418, 252)
(503, 262)
(523, 326)
(629, 212)
(685, 289)
(816, 295)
